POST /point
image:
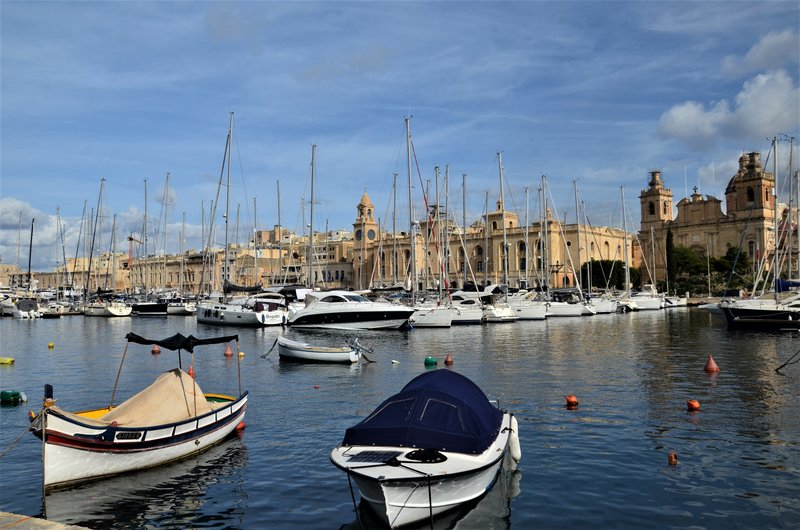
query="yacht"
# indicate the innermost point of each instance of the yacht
(348, 310)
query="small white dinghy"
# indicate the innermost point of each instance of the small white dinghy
(293, 350)
(434, 446)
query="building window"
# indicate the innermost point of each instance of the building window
(665, 207)
(651, 208)
(494, 225)
(751, 196)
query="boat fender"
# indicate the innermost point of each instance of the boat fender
(513, 441)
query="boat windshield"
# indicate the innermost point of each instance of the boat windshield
(356, 298)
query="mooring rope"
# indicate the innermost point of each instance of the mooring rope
(790, 361)
(5, 451)
(353, 497)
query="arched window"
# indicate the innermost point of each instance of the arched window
(522, 256)
(479, 258)
(606, 251)
(461, 261)
(651, 208)
(751, 195)
(494, 225)
(383, 264)
(665, 207)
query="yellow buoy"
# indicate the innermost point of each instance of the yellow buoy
(50, 345)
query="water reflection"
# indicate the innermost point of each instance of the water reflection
(174, 495)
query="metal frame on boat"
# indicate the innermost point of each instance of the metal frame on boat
(169, 420)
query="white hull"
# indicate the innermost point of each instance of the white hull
(530, 310)
(647, 303)
(497, 314)
(65, 465)
(107, 310)
(237, 315)
(564, 309)
(411, 493)
(432, 317)
(603, 305)
(467, 315)
(301, 351)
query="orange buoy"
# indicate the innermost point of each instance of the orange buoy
(692, 405)
(672, 458)
(572, 401)
(156, 350)
(191, 372)
(711, 366)
(448, 360)
(228, 351)
(241, 426)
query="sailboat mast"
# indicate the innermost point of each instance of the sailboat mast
(413, 239)
(91, 247)
(625, 238)
(255, 244)
(394, 230)
(280, 234)
(311, 221)
(30, 254)
(464, 222)
(227, 207)
(578, 229)
(504, 254)
(183, 260)
(486, 239)
(775, 210)
(546, 238)
(527, 236)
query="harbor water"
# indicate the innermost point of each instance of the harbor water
(601, 465)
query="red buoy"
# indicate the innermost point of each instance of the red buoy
(711, 366)
(156, 350)
(228, 351)
(672, 458)
(241, 426)
(448, 360)
(572, 401)
(692, 405)
(191, 372)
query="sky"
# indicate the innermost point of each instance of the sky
(593, 95)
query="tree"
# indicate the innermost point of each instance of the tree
(672, 263)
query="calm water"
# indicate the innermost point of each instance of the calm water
(603, 465)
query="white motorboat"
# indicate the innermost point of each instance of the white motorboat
(437, 444)
(102, 308)
(431, 315)
(527, 306)
(293, 350)
(224, 314)
(168, 420)
(348, 310)
(466, 310)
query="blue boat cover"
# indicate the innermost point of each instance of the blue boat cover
(440, 410)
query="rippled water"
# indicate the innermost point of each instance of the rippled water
(603, 465)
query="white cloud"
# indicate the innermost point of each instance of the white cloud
(768, 104)
(773, 51)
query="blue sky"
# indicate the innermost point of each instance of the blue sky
(601, 92)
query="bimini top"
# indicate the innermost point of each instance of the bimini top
(439, 410)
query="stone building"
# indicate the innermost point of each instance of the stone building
(702, 225)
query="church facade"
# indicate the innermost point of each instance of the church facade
(701, 224)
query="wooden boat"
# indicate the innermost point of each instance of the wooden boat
(169, 420)
(437, 444)
(292, 350)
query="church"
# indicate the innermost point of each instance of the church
(747, 222)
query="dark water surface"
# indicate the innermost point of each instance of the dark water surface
(603, 465)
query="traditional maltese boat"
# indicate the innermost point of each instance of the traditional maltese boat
(169, 420)
(434, 446)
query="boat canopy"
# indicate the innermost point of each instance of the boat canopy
(180, 342)
(440, 410)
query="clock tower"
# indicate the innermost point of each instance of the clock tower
(365, 229)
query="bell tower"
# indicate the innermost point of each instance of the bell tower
(750, 191)
(656, 203)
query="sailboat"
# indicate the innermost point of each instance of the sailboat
(223, 312)
(430, 314)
